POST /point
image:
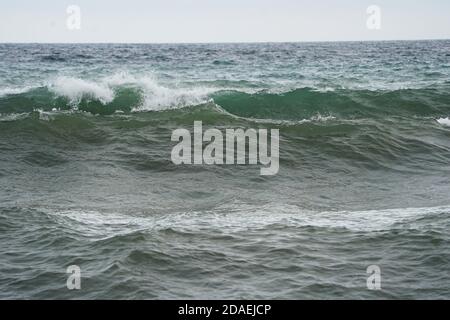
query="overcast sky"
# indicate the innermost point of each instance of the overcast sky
(221, 20)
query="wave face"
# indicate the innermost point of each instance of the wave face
(146, 95)
(86, 175)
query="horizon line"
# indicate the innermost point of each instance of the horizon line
(234, 42)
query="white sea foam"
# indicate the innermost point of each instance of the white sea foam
(159, 97)
(75, 89)
(49, 115)
(155, 96)
(239, 217)
(444, 121)
(316, 118)
(16, 90)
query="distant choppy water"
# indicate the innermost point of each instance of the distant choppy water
(86, 176)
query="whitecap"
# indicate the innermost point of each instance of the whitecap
(75, 89)
(444, 121)
(14, 90)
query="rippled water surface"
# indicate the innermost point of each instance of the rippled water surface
(86, 176)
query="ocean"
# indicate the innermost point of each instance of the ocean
(86, 176)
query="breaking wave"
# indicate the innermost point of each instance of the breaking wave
(127, 93)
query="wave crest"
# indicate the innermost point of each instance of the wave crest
(129, 93)
(76, 89)
(151, 94)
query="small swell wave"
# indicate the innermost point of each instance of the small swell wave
(307, 103)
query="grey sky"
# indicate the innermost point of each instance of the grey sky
(221, 20)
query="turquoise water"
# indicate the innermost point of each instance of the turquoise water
(86, 176)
